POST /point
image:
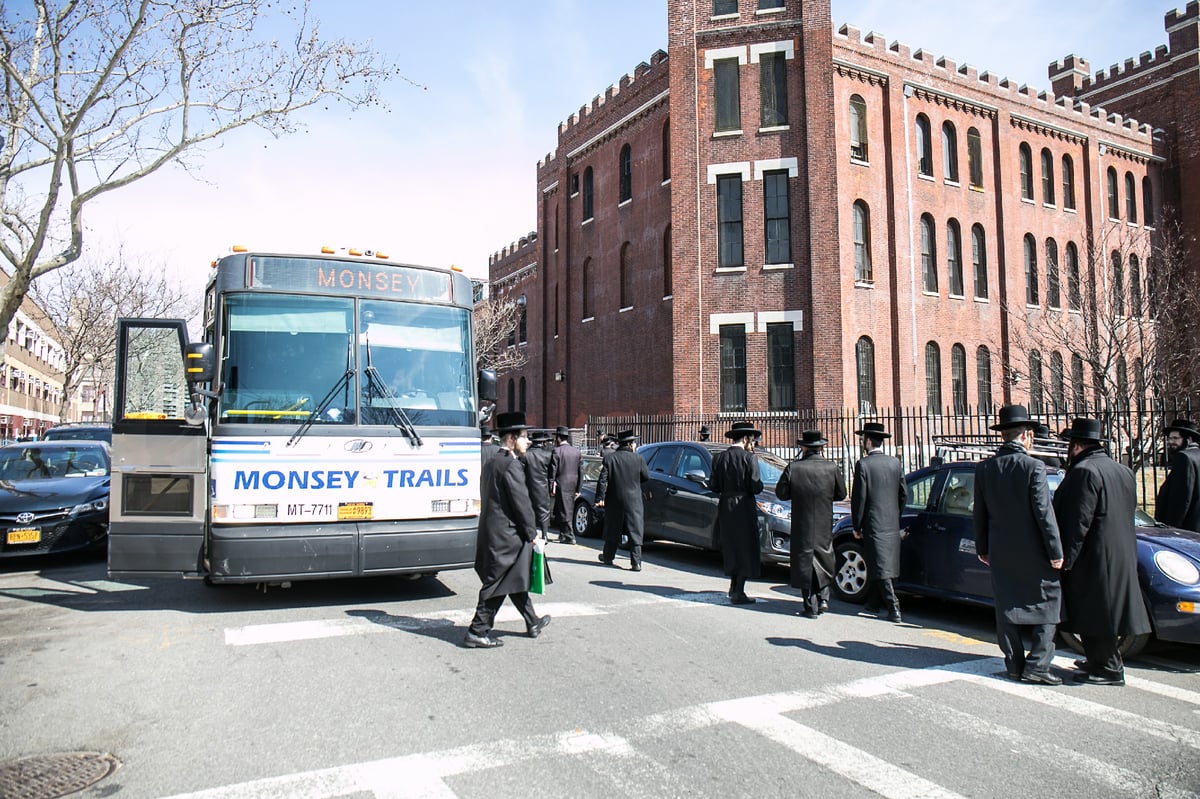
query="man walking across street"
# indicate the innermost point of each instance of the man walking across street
(1178, 501)
(1095, 505)
(736, 480)
(619, 492)
(537, 477)
(504, 547)
(566, 474)
(1016, 535)
(877, 495)
(813, 484)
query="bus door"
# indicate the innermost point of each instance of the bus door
(159, 502)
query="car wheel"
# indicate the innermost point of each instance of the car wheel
(1128, 645)
(850, 575)
(583, 518)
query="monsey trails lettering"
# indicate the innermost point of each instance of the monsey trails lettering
(434, 478)
(336, 479)
(350, 278)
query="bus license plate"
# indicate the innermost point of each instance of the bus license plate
(355, 511)
(25, 535)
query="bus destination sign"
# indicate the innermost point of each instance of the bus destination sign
(328, 276)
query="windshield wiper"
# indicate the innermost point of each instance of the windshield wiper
(323, 405)
(399, 418)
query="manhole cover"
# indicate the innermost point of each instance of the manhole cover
(48, 776)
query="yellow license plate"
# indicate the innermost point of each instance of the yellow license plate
(355, 511)
(25, 535)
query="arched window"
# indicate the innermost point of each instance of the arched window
(858, 128)
(1058, 391)
(585, 289)
(1074, 295)
(933, 377)
(1122, 381)
(1147, 201)
(667, 262)
(1068, 182)
(1053, 294)
(924, 147)
(1031, 274)
(979, 261)
(983, 378)
(862, 243)
(1118, 284)
(975, 158)
(512, 394)
(949, 152)
(626, 172)
(1078, 389)
(958, 379)
(523, 323)
(1047, 177)
(864, 365)
(1136, 297)
(954, 258)
(1114, 201)
(1131, 198)
(1035, 381)
(523, 404)
(626, 277)
(666, 151)
(587, 194)
(929, 281)
(1139, 383)
(1026, 163)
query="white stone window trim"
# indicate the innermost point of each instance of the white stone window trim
(788, 48)
(626, 308)
(777, 267)
(742, 168)
(587, 319)
(624, 203)
(728, 270)
(715, 321)
(792, 165)
(725, 53)
(725, 134)
(774, 317)
(775, 129)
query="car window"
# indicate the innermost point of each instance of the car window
(958, 497)
(918, 491)
(691, 461)
(661, 459)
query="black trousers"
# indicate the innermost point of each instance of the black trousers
(1011, 638)
(881, 594)
(485, 611)
(1103, 657)
(635, 552)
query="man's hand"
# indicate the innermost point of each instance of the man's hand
(857, 534)
(599, 503)
(984, 559)
(1056, 564)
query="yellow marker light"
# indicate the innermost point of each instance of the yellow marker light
(238, 248)
(380, 254)
(454, 268)
(1186, 607)
(354, 251)
(327, 251)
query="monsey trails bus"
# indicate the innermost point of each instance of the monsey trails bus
(327, 425)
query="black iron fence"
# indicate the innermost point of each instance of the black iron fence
(1134, 432)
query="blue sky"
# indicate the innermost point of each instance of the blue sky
(445, 175)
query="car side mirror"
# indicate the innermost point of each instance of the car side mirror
(698, 477)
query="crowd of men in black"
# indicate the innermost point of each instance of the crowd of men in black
(1070, 561)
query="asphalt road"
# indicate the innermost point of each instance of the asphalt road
(645, 685)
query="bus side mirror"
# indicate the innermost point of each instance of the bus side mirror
(487, 385)
(199, 363)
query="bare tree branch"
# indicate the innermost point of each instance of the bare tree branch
(496, 323)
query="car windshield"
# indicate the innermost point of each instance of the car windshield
(44, 463)
(1140, 517)
(770, 468)
(78, 434)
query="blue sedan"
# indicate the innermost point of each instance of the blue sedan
(937, 556)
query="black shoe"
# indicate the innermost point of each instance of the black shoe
(823, 606)
(809, 613)
(1042, 678)
(606, 561)
(636, 567)
(471, 641)
(1101, 679)
(895, 616)
(872, 608)
(1015, 676)
(535, 629)
(563, 540)
(742, 599)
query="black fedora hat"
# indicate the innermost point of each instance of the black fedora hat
(485, 433)
(625, 436)
(510, 422)
(873, 429)
(742, 429)
(1014, 416)
(1185, 426)
(1083, 429)
(565, 432)
(539, 436)
(811, 438)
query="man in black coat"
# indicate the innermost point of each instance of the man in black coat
(537, 477)
(877, 495)
(1095, 504)
(1016, 535)
(813, 484)
(566, 475)
(619, 492)
(487, 447)
(1178, 501)
(504, 546)
(736, 480)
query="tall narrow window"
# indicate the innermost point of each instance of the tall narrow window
(555, 310)
(588, 206)
(979, 261)
(585, 289)
(929, 281)
(724, 7)
(1114, 201)
(626, 277)
(983, 378)
(729, 220)
(858, 128)
(1078, 389)
(1058, 391)
(1068, 182)
(523, 403)
(1147, 201)
(667, 262)
(1036, 382)
(862, 243)
(864, 365)
(1118, 284)
(958, 379)
(773, 89)
(1047, 177)
(666, 151)
(1139, 383)
(1122, 381)
(924, 147)
(626, 171)
(1031, 274)
(781, 371)
(512, 394)
(1053, 292)
(733, 367)
(954, 270)
(523, 323)
(1135, 288)
(728, 94)
(1131, 198)
(778, 222)
(1074, 295)
(975, 158)
(763, 5)
(949, 152)
(1026, 164)
(933, 378)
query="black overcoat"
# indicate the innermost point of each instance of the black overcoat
(504, 546)
(1016, 531)
(1095, 505)
(1178, 502)
(537, 477)
(620, 484)
(566, 474)
(877, 495)
(813, 484)
(736, 480)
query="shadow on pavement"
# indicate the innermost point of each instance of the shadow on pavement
(444, 630)
(892, 654)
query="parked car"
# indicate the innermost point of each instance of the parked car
(82, 431)
(937, 556)
(53, 496)
(587, 516)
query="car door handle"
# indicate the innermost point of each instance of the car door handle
(672, 492)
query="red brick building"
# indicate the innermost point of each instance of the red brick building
(781, 216)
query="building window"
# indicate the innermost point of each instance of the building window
(764, 5)
(555, 290)
(778, 222)
(724, 7)
(1074, 296)
(924, 147)
(979, 261)
(729, 220)
(954, 269)
(523, 403)
(983, 378)
(1130, 198)
(858, 128)
(933, 377)
(666, 257)
(1053, 294)
(666, 151)
(1135, 287)
(862, 243)
(1058, 391)
(574, 183)
(781, 374)
(733, 367)
(1147, 201)
(949, 152)
(512, 394)
(626, 277)
(864, 360)
(929, 281)
(1068, 182)
(1035, 381)
(523, 324)
(975, 157)
(1078, 393)
(1114, 201)
(1139, 383)
(958, 379)
(588, 207)
(1118, 284)
(1047, 177)
(626, 170)
(773, 89)
(585, 289)
(1122, 381)
(1026, 159)
(728, 96)
(1031, 275)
